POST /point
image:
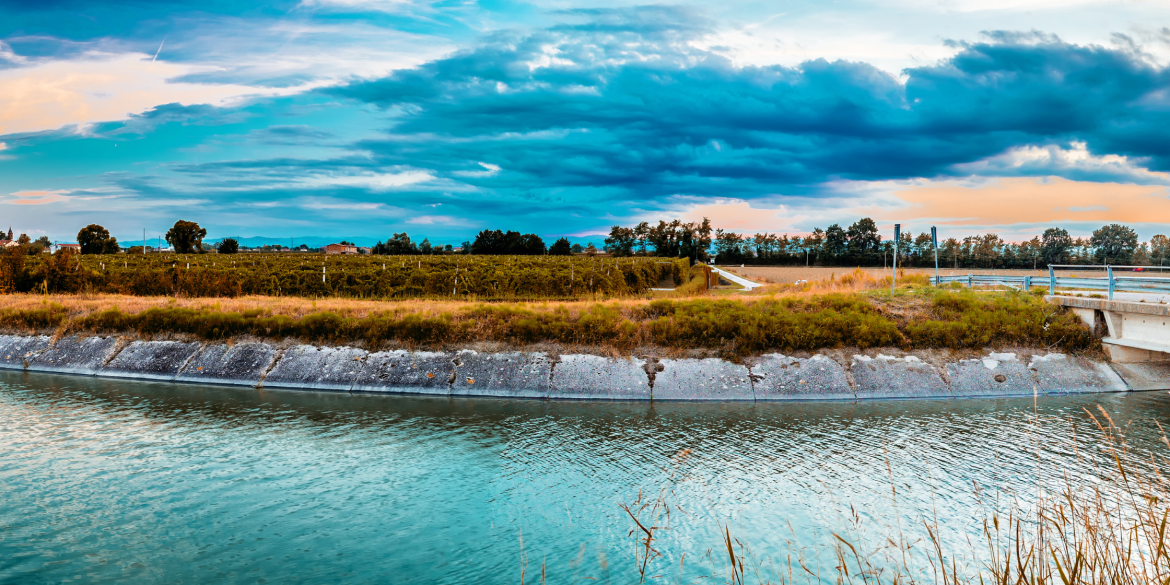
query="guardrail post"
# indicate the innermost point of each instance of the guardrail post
(1027, 283)
(1051, 280)
(1109, 271)
(968, 280)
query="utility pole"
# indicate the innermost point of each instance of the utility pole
(934, 240)
(897, 236)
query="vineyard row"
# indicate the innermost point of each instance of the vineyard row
(313, 275)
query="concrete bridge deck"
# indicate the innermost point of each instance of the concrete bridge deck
(1136, 336)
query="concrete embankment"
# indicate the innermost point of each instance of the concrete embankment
(569, 376)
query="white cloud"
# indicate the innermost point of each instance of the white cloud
(342, 206)
(447, 220)
(236, 60)
(377, 5)
(373, 181)
(1056, 160)
(489, 170)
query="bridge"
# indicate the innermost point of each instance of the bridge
(1126, 308)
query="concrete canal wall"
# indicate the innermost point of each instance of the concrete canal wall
(573, 376)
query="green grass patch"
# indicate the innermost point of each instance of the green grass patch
(945, 319)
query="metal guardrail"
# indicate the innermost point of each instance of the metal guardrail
(1110, 282)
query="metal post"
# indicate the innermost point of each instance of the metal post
(1109, 271)
(1051, 280)
(934, 240)
(897, 236)
(968, 280)
(1027, 283)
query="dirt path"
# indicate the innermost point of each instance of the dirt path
(790, 274)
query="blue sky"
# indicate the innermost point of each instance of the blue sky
(360, 118)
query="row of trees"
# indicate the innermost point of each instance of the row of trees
(186, 237)
(487, 243)
(675, 239)
(861, 244)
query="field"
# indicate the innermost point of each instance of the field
(321, 276)
(791, 274)
(603, 303)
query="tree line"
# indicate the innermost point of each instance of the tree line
(487, 243)
(861, 244)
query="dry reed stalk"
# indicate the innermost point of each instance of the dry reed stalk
(1111, 530)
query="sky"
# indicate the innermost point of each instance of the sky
(362, 118)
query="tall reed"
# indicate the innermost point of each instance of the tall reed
(1109, 528)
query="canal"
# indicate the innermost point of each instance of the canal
(107, 481)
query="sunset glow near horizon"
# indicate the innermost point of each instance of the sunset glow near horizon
(361, 118)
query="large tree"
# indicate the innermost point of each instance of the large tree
(1114, 243)
(864, 239)
(186, 237)
(561, 247)
(228, 246)
(836, 242)
(1054, 245)
(496, 242)
(728, 247)
(93, 238)
(399, 245)
(621, 241)
(1159, 250)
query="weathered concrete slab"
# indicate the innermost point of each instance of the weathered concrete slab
(1144, 376)
(15, 350)
(407, 372)
(780, 377)
(891, 377)
(75, 355)
(242, 364)
(1058, 373)
(150, 360)
(998, 374)
(316, 368)
(702, 379)
(510, 374)
(579, 376)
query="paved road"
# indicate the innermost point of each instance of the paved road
(747, 284)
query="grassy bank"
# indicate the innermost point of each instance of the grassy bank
(917, 319)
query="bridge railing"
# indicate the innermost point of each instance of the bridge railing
(1109, 283)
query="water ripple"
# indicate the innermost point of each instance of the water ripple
(108, 481)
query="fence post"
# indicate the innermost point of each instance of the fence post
(1027, 283)
(1051, 280)
(1109, 271)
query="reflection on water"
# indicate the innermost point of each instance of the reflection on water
(107, 480)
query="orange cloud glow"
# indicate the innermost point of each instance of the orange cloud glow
(36, 197)
(1032, 200)
(97, 87)
(738, 216)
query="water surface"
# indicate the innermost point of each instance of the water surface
(115, 481)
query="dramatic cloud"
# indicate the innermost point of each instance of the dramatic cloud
(623, 104)
(366, 116)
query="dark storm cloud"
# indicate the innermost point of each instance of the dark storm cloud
(623, 101)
